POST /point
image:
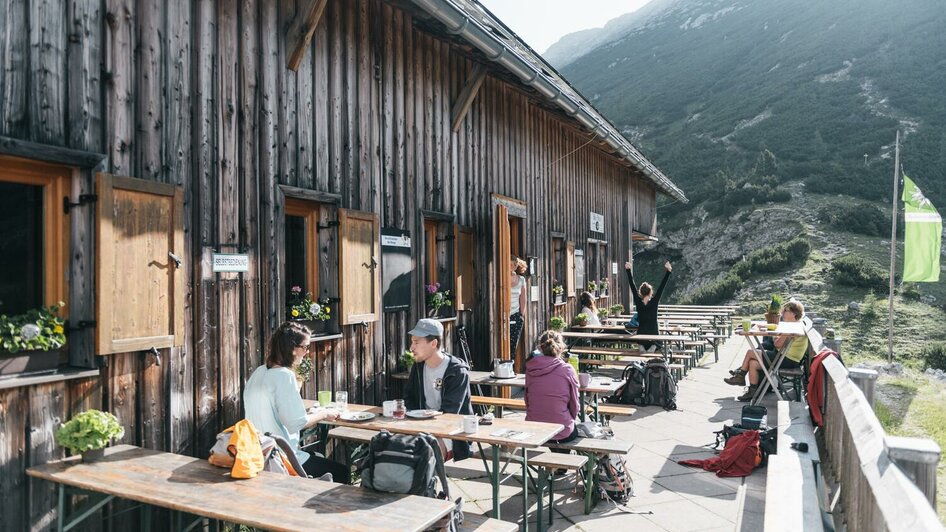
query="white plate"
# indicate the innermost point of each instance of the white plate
(357, 416)
(498, 377)
(422, 414)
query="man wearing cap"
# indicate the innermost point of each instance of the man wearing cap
(438, 380)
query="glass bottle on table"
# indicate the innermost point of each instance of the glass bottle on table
(399, 409)
(341, 401)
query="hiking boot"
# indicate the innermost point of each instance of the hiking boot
(738, 378)
(750, 392)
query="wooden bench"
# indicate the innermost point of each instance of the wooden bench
(677, 369)
(793, 488)
(499, 403)
(546, 463)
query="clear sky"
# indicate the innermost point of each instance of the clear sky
(541, 22)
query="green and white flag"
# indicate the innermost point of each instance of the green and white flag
(922, 236)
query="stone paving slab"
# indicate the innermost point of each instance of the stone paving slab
(670, 497)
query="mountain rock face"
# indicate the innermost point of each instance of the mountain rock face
(771, 105)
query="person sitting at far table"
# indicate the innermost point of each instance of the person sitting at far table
(791, 312)
(438, 381)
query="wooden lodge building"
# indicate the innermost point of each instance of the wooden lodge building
(170, 170)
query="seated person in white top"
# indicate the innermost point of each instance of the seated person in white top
(438, 380)
(273, 403)
(588, 308)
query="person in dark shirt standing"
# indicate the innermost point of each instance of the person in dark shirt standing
(646, 302)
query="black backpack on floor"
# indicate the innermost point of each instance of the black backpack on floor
(632, 391)
(659, 386)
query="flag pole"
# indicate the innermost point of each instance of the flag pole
(893, 247)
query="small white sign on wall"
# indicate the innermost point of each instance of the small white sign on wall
(597, 222)
(231, 262)
(614, 268)
(535, 294)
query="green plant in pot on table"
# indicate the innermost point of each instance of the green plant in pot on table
(88, 433)
(30, 342)
(774, 308)
(557, 323)
(581, 319)
(617, 309)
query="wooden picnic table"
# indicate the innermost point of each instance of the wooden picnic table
(785, 329)
(532, 434)
(271, 501)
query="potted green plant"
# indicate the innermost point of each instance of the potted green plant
(603, 313)
(309, 310)
(304, 370)
(617, 309)
(437, 299)
(558, 292)
(772, 311)
(407, 360)
(557, 323)
(581, 319)
(88, 433)
(593, 288)
(603, 286)
(31, 342)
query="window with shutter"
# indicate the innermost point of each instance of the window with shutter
(140, 287)
(570, 269)
(439, 260)
(358, 258)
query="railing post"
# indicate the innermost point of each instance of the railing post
(917, 458)
(864, 379)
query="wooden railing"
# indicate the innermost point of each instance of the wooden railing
(875, 494)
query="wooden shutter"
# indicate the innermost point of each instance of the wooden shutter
(570, 269)
(503, 299)
(139, 286)
(463, 258)
(358, 257)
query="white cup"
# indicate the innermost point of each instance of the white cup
(387, 408)
(470, 424)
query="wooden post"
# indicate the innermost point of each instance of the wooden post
(893, 247)
(864, 379)
(917, 458)
(300, 34)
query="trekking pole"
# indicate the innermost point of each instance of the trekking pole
(465, 353)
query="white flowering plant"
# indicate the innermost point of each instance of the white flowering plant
(305, 307)
(36, 330)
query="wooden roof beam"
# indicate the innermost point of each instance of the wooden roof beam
(467, 95)
(300, 34)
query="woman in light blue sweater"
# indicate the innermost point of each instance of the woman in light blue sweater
(273, 403)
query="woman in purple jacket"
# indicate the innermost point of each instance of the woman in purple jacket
(552, 387)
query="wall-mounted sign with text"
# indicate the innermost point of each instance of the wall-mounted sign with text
(231, 262)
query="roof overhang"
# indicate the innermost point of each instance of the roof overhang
(473, 23)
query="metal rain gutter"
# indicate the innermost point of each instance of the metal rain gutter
(458, 22)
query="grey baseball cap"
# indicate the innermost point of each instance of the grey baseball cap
(427, 327)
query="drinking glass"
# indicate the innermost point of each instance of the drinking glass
(399, 410)
(341, 401)
(325, 397)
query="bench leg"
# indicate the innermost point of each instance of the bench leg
(540, 489)
(590, 482)
(495, 479)
(525, 491)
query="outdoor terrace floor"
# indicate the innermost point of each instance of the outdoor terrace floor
(669, 497)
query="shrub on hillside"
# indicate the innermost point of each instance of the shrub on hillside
(862, 218)
(934, 355)
(774, 259)
(856, 271)
(716, 292)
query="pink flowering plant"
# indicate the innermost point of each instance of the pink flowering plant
(437, 298)
(305, 307)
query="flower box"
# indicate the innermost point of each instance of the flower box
(28, 362)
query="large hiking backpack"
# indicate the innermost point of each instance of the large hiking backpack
(659, 386)
(632, 391)
(400, 463)
(610, 475)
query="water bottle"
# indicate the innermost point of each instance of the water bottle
(573, 361)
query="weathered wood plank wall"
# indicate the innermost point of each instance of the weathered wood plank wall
(197, 94)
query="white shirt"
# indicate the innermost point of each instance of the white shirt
(592, 316)
(273, 404)
(516, 292)
(433, 385)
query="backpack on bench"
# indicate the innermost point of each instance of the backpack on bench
(412, 465)
(632, 391)
(611, 474)
(660, 388)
